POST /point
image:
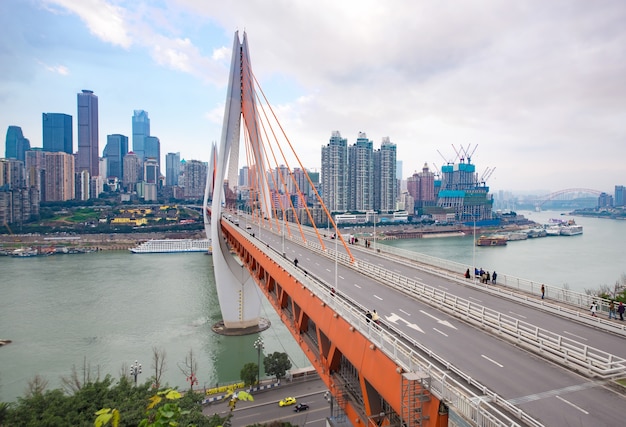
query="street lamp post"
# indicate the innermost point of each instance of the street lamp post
(374, 231)
(135, 370)
(474, 249)
(258, 344)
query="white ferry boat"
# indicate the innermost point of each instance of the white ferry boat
(571, 230)
(172, 245)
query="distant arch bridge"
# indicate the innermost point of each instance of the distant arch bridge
(552, 196)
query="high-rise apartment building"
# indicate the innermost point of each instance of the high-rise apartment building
(172, 169)
(114, 152)
(361, 174)
(244, 179)
(59, 177)
(57, 132)
(17, 202)
(385, 182)
(141, 130)
(194, 179)
(35, 168)
(335, 173)
(620, 194)
(16, 145)
(131, 171)
(421, 187)
(88, 148)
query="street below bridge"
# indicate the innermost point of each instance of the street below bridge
(548, 391)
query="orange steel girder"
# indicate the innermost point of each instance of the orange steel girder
(379, 376)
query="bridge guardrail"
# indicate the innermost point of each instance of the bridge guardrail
(402, 349)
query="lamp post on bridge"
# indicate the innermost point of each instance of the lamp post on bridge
(135, 370)
(258, 344)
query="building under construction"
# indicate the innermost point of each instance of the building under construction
(461, 193)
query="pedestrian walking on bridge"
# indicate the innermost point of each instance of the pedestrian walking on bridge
(620, 310)
(612, 311)
(593, 309)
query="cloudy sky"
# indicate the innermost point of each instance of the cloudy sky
(535, 89)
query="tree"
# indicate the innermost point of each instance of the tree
(158, 364)
(248, 373)
(190, 369)
(277, 364)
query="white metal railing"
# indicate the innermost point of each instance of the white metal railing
(409, 355)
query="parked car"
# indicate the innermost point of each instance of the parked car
(287, 401)
(301, 407)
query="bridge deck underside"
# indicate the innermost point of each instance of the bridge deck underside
(367, 385)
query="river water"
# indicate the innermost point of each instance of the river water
(111, 308)
(587, 261)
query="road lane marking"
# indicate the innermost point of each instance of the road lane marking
(550, 393)
(574, 335)
(441, 332)
(517, 314)
(475, 299)
(492, 361)
(394, 318)
(357, 286)
(572, 405)
(441, 322)
(341, 277)
(408, 314)
(328, 270)
(443, 287)
(376, 296)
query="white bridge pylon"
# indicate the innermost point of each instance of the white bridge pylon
(239, 297)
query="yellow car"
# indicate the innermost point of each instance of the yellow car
(287, 401)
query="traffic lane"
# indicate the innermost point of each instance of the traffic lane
(575, 406)
(267, 411)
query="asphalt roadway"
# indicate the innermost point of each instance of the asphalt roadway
(264, 409)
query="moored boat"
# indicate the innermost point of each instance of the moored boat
(172, 245)
(491, 241)
(571, 230)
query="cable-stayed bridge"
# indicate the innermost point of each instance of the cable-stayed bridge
(445, 352)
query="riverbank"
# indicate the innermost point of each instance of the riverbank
(83, 242)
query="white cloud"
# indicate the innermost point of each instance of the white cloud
(57, 69)
(104, 20)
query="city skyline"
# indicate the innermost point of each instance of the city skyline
(536, 88)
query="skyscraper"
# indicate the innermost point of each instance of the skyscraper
(88, 150)
(385, 176)
(16, 144)
(335, 173)
(57, 132)
(114, 152)
(152, 149)
(172, 169)
(141, 130)
(361, 174)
